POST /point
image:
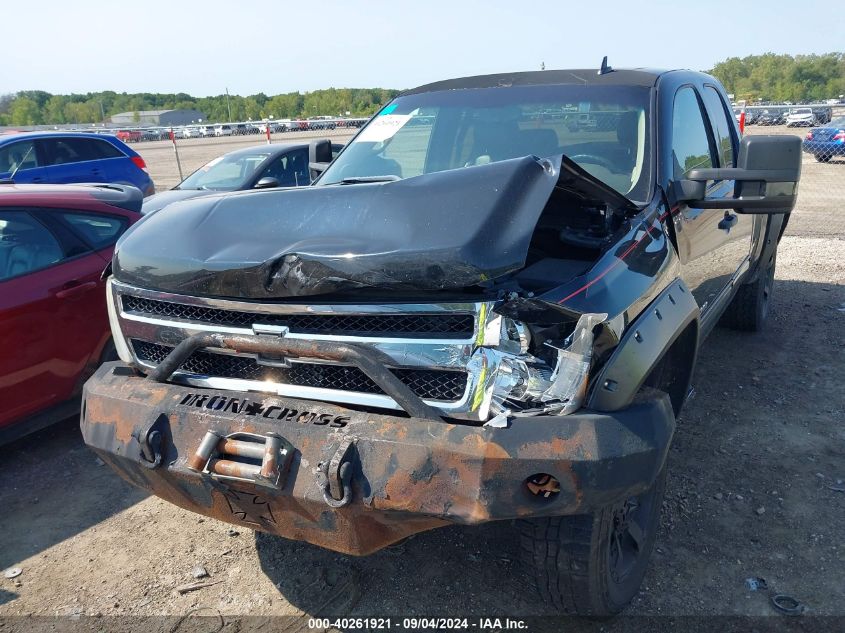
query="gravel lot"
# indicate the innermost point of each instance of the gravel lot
(755, 488)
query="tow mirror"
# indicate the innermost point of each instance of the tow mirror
(319, 156)
(268, 182)
(765, 178)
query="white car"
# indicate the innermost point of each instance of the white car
(223, 130)
(801, 116)
(206, 130)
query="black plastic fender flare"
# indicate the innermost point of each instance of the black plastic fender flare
(642, 346)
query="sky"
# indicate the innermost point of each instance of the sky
(202, 48)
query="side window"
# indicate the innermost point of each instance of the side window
(18, 156)
(61, 151)
(690, 140)
(721, 126)
(289, 169)
(25, 245)
(103, 149)
(98, 231)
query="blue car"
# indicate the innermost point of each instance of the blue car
(826, 142)
(72, 157)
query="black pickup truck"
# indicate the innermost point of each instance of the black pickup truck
(477, 312)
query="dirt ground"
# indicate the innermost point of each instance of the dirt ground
(756, 489)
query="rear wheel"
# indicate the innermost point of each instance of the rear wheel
(750, 306)
(594, 564)
(823, 158)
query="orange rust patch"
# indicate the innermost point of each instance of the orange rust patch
(478, 445)
(581, 445)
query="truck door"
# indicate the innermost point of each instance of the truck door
(713, 243)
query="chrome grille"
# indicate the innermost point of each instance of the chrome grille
(429, 384)
(449, 325)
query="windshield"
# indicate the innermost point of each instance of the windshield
(225, 173)
(602, 128)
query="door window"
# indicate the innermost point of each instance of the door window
(721, 127)
(690, 140)
(18, 156)
(289, 169)
(98, 231)
(25, 245)
(61, 151)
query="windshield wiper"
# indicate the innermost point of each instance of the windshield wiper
(363, 179)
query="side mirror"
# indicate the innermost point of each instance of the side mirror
(268, 182)
(765, 179)
(319, 156)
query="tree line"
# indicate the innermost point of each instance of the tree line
(778, 78)
(36, 107)
(767, 77)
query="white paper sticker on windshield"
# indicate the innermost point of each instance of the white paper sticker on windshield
(383, 128)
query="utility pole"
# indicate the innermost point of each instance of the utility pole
(228, 107)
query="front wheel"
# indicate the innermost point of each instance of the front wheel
(823, 158)
(593, 564)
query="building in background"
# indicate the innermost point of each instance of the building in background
(158, 117)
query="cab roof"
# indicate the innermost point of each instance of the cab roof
(644, 77)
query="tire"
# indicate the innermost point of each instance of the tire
(749, 308)
(822, 158)
(572, 558)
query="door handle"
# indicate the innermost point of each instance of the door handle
(73, 288)
(728, 221)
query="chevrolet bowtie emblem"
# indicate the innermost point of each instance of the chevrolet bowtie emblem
(275, 330)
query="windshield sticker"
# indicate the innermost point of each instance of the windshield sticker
(383, 128)
(389, 109)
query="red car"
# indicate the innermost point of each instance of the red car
(129, 136)
(55, 242)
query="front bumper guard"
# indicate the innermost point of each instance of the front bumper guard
(353, 481)
(370, 361)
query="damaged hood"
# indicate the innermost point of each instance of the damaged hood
(445, 230)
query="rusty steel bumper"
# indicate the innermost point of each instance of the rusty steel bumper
(355, 482)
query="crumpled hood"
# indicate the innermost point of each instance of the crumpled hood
(445, 230)
(158, 201)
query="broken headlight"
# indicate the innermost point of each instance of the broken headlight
(556, 383)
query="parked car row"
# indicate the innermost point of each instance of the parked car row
(784, 115)
(135, 135)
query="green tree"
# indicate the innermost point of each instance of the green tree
(25, 111)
